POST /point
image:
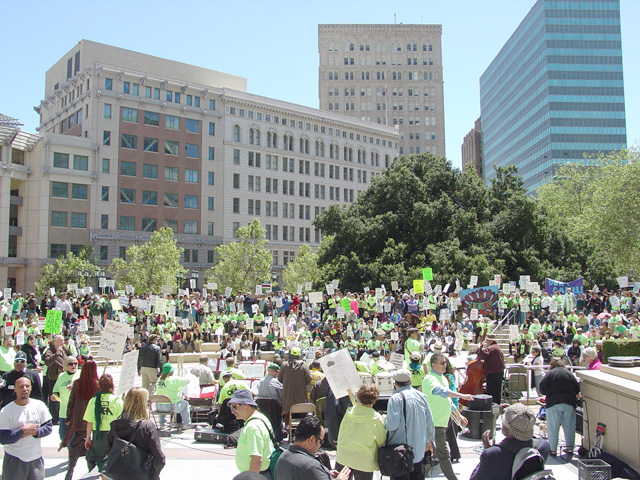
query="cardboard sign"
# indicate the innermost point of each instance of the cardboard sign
(397, 360)
(473, 281)
(53, 322)
(394, 285)
(307, 286)
(315, 297)
(341, 373)
(427, 274)
(212, 285)
(128, 373)
(114, 338)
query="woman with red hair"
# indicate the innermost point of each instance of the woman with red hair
(82, 392)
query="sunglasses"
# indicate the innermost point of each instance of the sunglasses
(19, 360)
(233, 407)
(72, 363)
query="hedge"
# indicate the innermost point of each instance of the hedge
(624, 347)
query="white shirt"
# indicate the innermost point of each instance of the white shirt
(13, 417)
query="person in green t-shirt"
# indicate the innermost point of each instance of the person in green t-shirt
(62, 389)
(102, 409)
(172, 387)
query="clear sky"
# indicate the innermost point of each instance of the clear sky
(274, 44)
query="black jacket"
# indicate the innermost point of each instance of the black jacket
(8, 393)
(146, 439)
(150, 356)
(560, 386)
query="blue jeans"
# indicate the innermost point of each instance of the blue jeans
(181, 408)
(565, 415)
(62, 428)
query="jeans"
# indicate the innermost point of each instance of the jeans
(181, 408)
(442, 453)
(565, 415)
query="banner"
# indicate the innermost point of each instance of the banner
(484, 299)
(575, 286)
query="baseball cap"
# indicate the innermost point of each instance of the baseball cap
(20, 356)
(415, 356)
(273, 366)
(167, 368)
(295, 351)
(402, 376)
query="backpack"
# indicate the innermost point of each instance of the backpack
(528, 464)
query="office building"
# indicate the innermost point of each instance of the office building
(472, 148)
(386, 74)
(554, 93)
(130, 143)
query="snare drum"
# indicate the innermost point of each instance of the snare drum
(384, 382)
(366, 378)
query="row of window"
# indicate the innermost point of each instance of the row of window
(155, 93)
(288, 235)
(241, 112)
(254, 183)
(254, 159)
(57, 250)
(381, 92)
(150, 197)
(381, 47)
(171, 174)
(254, 207)
(61, 190)
(59, 219)
(171, 147)
(384, 75)
(61, 160)
(335, 60)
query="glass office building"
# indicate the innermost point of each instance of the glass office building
(555, 94)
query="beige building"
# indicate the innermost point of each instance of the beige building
(472, 148)
(386, 74)
(130, 143)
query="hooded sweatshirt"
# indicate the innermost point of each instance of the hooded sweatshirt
(361, 433)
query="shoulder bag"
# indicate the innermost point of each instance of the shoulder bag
(397, 460)
(128, 462)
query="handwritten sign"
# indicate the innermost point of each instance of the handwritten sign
(473, 281)
(227, 292)
(315, 297)
(427, 274)
(83, 327)
(473, 314)
(114, 338)
(396, 359)
(307, 286)
(128, 373)
(53, 322)
(212, 285)
(394, 285)
(418, 286)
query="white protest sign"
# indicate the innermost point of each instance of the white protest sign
(473, 281)
(437, 291)
(446, 288)
(249, 323)
(212, 285)
(514, 334)
(8, 328)
(473, 314)
(114, 337)
(166, 289)
(52, 291)
(636, 287)
(299, 290)
(182, 292)
(379, 293)
(185, 323)
(122, 317)
(252, 370)
(397, 360)
(259, 289)
(278, 302)
(615, 301)
(227, 292)
(553, 306)
(445, 314)
(254, 308)
(394, 285)
(307, 286)
(497, 279)
(315, 297)
(394, 336)
(335, 282)
(623, 282)
(341, 373)
(330, 290)
(492, 283)
(524, 306)
(102, 282)
(232, 307)
(427, 287)
(72, 287)
(129, 372)
(88, 290)
(129, 289)
(20, 338)
(83, 327)
(458, 286)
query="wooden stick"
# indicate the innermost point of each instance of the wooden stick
(351, 397)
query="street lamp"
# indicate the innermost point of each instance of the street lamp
(179, 279)
(193, 283)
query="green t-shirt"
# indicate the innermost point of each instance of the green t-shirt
(229, 389)
(63, 392)
(254, 440)
(110, 410)
(171, 387)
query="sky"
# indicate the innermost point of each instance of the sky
(274, 44)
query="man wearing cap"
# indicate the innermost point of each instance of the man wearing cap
(417, 429)
(496, 461)
(294, 376)
(269, 386)
(20, 370)
(172, 387)
(254, 444)
(493, 366)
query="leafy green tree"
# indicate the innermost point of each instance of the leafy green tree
(304, 268)
(242, 264)
(421, 212)
(151, 265)
(65, 270)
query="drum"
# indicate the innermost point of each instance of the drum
(384, 382)
(366, 378)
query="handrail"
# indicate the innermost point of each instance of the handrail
(503, 320)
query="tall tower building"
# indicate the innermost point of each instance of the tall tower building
(387, 74)
(472, 148)
(554, 94)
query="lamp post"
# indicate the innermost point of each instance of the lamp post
(179, 280)
(193, 283)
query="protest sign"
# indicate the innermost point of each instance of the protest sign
(636, 287)
(227, 292)
(82, 326)
(53, 322)
(340, 373)
(615, 302)
(259, 289)
(366, 290)
(379, 293)
(307, 286)
(553, 306)
(41, 323)
(497, 279)
(8, 328)
(335, 282)
(394, 336)
(166, 289)
(427, 287)
(72, 287)
(484, 299)
(129, 289)
(514, 334)
(623, 282)
(427, 274)
(115, 304)
(473, 314)
(397, 360)
(445, 314)
(437, 291)
(212, 285)
(473, 281)
(394, 285)
(524, 306)
(128, 372)
(576, 286)
(7, 293)
(20, 338)
(315, 297)
(299, 290)
(446, 288)
(418, 286)
(113, 340)
(330, 290)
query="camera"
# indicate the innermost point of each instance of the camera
(428, 461)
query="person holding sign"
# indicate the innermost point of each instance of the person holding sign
(53, 358)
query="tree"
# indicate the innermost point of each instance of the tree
(301, 270)
(65, 271)
(421, 212)
(151, 265)
(245, 263)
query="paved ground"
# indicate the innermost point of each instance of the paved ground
(189, 459)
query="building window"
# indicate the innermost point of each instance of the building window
(60, 160)
(212, 104)
(236, 180)
(171, 174)
(171, 147)
(236, 133)
(191, 176)
(127, 195)
(149, 224)
(171, 200)
(210, 178)
(81, 162)
(129, 115)
(150, 144)
(149, 170)
(212, 128)
(107, 110)
(79, 191)
(212, 153)
(210, 230)
(191, 125)
(106, 165)
(104, 222)
(149, 197)
(191, 201)
(127, 223)
(210, 203)
(108, 84)
(106, 137)
(60, 189)
(129, 141)
(236, 205)
(191, 226)
(152, 118)
(58, 219)
(58, 250)
(128, 168)
(122, 253)
(210, 255)
(192, 151)
(236, 156)
(172, 122)
(235, 227)
(78, 220)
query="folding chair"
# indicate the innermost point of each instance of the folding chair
(321, 407)
(300, 409)
(154, 412)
